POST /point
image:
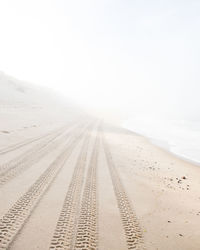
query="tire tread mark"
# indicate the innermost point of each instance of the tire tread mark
(87, 229)
(133, 232)
(13, 221)
(64, 232)
(30, 160)
(24, 143)
(27, 154)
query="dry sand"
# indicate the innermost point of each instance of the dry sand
(69, 182)
(90, 187)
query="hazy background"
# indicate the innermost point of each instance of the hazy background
(138, 59)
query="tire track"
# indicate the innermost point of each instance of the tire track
(22, 157)
(133, 232)
(86, 234)
(25, 142)
(13, 221)
(26, 161)
(65, 228)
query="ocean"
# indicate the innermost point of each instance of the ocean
(181, 137)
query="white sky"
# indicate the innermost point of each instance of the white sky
(143, 55)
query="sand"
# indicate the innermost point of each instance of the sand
(91, 187)
(73, 182)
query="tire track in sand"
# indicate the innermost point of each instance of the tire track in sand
(30, 152)
(25, 142)
(65, 228)
(13, 221)
(133, 232)
(30, 158)
(87, 231)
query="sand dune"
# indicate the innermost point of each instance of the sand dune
(74, 182)
(27, 111)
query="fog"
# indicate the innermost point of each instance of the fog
(130, 57)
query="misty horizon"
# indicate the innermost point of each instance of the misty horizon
(138, 57)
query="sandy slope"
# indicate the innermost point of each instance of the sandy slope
(68, 183)
(27, 111)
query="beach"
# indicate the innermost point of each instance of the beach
(99, 125)
(91, 185)
(69, 180)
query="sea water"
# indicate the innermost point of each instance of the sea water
(181, 137)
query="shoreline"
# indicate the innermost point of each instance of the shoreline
(159, 143)
(164, 145)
